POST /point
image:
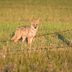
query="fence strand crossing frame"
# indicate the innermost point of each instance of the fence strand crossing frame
(46, 47)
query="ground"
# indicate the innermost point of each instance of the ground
(51, 49)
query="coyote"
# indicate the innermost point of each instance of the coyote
(28, 32)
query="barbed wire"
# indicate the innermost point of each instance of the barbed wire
(48, 46)
(54, 32)
(46, 34)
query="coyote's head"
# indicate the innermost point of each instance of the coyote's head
(35, 23)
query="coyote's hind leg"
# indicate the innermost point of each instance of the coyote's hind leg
(16, 37)
(23, 38)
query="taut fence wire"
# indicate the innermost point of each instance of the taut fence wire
(69, 44)
(54, 32)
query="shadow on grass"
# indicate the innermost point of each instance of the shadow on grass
(63, 39)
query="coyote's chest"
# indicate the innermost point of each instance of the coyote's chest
(30, 32)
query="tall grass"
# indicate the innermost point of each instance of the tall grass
(51, 48)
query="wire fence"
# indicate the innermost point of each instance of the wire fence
(68, 43)
(64, 31)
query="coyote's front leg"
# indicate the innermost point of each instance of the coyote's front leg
(30, 39)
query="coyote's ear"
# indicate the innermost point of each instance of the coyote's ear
(31, 18)
(34, 20)
(38, 20)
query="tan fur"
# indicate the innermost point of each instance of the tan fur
(26, 31)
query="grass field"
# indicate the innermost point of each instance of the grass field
(51, 50)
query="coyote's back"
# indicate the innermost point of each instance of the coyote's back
(28, 32)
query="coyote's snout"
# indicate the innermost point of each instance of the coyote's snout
(28, 32)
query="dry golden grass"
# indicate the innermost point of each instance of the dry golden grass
(51, 50)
